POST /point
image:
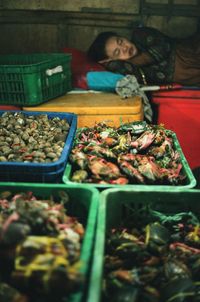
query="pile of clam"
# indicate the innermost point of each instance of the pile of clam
(31, 138)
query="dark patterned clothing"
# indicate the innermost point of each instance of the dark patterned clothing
(161, 59)
(187, 63)
(156, 55)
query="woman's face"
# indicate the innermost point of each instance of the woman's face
(119, 48)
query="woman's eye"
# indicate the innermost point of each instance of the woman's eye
(120, 41)
(116, 53)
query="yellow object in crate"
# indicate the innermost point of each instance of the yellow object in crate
(92, 107)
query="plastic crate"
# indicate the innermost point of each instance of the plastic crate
(189, 182)
(117, 205)
(179, 111)
(83, 204)
(41, 172)
(34, 78)
(43, 177)
(92, 107)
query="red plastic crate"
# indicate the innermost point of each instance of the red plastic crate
(179, 93)
(179, 110)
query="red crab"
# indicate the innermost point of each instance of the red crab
(103, 168)
(78, 158)
(144, 140)
(132, 172)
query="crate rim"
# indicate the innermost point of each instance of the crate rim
(149, 190)
(47, 60)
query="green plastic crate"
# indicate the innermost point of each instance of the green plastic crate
(32, 79)
(117, 205)
(189, 182)
(83, 204)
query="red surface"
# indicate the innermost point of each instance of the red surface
(180, 112)
(80, 66)
(7, 107)
(179, 93)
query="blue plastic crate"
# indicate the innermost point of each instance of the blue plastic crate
(41, 172)
(49, 177)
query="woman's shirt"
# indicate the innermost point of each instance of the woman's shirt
(187, 63)
(156, 56)
(166, 60)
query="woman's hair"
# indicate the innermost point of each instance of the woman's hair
(96, 51)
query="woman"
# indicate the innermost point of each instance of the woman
(151, 56)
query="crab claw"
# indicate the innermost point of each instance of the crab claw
(100, 151)
(144, 140)
(162, 150)
(79, 158)
(119, 181)
(173, 175)
(79, 176)
(100, 166)
(148, 168)
(132, 172)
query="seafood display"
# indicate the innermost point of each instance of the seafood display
(39, 248)
(134, 153)
(153, 257)
(32, 138)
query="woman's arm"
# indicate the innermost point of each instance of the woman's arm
(154, 46)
